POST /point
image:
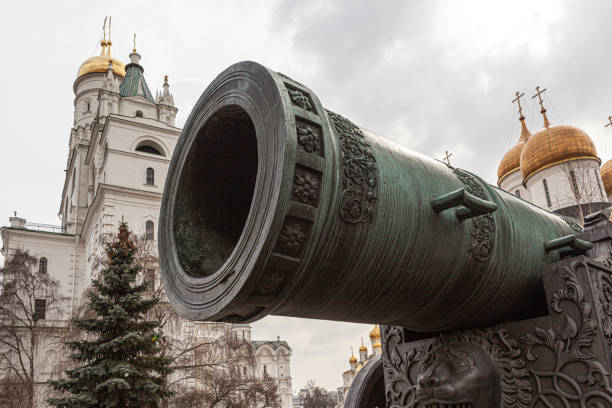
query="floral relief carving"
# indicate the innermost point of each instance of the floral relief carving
(602, 292)
(572, 224)
(291, 238)
(483, 226)
(570, 346)
(399, 363)
(360, 174)
(300, 98)
(309, 137)
(306, 187)
(270, 284)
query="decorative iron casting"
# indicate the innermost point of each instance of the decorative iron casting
(473, 368)
(561, 383)
(483, 226)
(360, 175)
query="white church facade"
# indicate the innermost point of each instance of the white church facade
(120, 147)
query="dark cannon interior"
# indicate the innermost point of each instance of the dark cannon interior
(216, 191)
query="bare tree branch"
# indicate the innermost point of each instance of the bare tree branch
(22, 326)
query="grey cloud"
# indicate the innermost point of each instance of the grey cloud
(431, 99)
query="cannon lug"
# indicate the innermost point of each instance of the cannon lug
(468, 205)
(569, 245)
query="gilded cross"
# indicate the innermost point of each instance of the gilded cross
(109, 27)
(518, 100)
(134, 42)
(609, 121)
(539, 95)
(447, 157)
(542, 108)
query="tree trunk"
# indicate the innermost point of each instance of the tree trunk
(32, 376)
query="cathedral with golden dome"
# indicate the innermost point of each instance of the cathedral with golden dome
(556, 168)
(356, 364)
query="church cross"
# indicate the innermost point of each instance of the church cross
(518, 100)
(609, 121)
(542, 108)
(134, 42)
(539, 95)
(109, 18)
(447, 157)
(104, 29)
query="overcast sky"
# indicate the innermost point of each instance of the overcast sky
(431, 75)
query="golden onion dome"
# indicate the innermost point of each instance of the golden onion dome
(363, 348)
(606, 176)
(375, 333)
(99, 63)
(511, 161)
(352, 358)
(555, 144)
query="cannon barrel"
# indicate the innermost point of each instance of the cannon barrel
(274, 205)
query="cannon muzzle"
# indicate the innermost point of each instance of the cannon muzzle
(274, 205)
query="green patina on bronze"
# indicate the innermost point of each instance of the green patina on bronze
(274, 205)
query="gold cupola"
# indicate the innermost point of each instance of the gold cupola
(606, 177)
(363, 347)
(375, 334)
(511, 161)
(553, 145)
(99, 63)
(352, 358)
(606, 169)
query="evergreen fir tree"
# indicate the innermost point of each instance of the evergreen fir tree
(119, 362)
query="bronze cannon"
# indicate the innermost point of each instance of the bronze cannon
(274, 205)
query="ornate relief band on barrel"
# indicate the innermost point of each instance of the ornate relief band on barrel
(305, 194)
(359, 172)
(483, 227)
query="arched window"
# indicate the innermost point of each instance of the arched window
(149, 147)
(40, 308)
(42, 265)
(139, 114)
(518, 193)
(150, 231)
(598, 183)
(150, 176)
(574, 184)
(546, 192)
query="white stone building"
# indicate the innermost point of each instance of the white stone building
(119, 150)
(556, 168)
